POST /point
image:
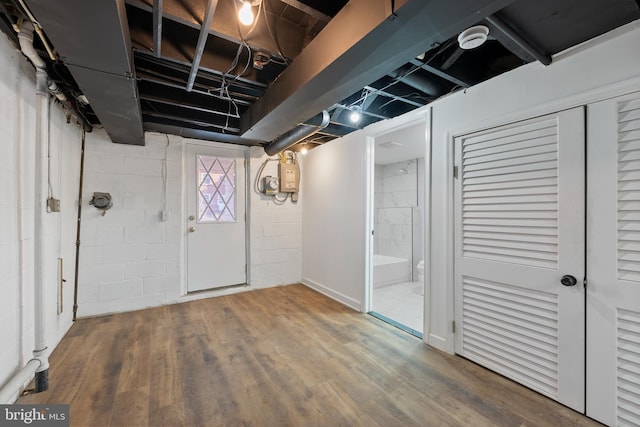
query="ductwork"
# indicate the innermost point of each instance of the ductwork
(299, 133)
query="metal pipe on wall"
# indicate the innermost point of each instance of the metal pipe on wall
(42, 132)
(77, 267)
(12, 388)
(42, 125)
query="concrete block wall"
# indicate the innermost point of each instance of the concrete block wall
(275, 230)
(17, 184)
(129, 257)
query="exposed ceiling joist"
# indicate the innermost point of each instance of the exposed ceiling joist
(221, 126)
(505, 29)
(207, 135)
(224, 25)
(392, 96)
(366, 42)
(202, 40)
(93, 40)
(157, 28)
(440, 73)
(308, 10)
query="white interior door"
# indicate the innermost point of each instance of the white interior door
(216, 246)
(613, 261)
(519, 206)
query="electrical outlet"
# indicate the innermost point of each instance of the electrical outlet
(53, 205)
(165, 215)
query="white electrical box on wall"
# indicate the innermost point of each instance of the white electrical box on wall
(289, 177)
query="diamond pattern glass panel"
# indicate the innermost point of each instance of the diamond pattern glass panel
(216, 189)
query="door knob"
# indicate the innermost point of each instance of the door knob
(191, 217)
(192, 229)
(568, 280)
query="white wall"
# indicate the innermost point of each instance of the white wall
(130, 259)
(275, 231)
(601, 68)
(17, 165)
(605, 67)
(333, 231)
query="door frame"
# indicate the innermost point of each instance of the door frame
(580, 99)
(410, 119)
(184, 291)
(572, 400)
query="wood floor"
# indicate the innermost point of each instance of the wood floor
(284, 356)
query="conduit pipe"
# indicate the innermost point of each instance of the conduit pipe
(10, 390)
(42, 129)
(25, 38)
(299, 133)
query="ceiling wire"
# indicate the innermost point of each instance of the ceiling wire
(274, 38)
(225, 85)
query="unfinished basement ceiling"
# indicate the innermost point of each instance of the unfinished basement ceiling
(187, 67)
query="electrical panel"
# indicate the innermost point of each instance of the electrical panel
(289, 177)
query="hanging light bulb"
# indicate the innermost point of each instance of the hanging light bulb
(245, 15)
(355, 115)
(304, 150)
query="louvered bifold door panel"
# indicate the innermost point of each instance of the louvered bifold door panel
(613, 259)
(510, 195)
(514, 237)
(629, 191)
(628, 368)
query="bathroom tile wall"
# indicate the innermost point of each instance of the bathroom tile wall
(396, 189)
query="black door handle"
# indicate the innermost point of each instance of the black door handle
(568, 280)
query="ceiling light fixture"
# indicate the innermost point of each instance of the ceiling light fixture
(245, 14)
(473, 37)
(304, 150)
(355, 115)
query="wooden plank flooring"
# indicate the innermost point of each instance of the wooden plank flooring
(285, 356)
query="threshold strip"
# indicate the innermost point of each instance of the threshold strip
(396, 324)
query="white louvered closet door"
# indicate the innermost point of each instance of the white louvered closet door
(613, 261)
(519, 228)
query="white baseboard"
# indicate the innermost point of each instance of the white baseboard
(348, 301)
(438, 342)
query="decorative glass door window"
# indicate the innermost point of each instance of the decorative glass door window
(216, 177)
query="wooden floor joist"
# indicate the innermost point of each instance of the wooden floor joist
(285, 356)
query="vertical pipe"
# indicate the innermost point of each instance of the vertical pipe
(75, 283)
(42, 124)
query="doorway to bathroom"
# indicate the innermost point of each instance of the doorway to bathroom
(396, 285)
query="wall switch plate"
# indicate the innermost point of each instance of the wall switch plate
(53, 205)
(165, 215)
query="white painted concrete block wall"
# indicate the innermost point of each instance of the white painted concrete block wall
(130, 258)
(17, 164)
(275, 231)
